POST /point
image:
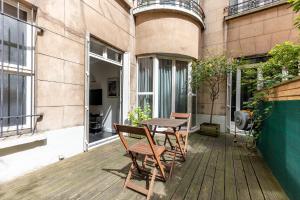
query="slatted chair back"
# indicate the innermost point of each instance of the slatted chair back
(186, 116)
(142, 131)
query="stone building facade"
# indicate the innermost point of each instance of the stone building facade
(149, 42)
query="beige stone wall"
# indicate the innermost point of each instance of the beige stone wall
(214, 43)
(167, 32)
(59, 85)
(258, 32)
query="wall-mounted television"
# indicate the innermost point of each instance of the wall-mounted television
(96, 97)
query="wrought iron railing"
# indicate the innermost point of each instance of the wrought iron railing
(190, 5)
(248, 5)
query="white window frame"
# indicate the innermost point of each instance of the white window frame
(104, 56)
(154, 93)
(26, 71)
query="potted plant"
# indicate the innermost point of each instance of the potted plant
(211, 73)
(137, 115)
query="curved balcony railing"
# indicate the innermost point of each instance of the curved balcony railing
(248, 5)
(188, 5)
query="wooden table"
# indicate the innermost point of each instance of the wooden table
(174, 124)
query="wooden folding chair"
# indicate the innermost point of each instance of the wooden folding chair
(182, 134)
(146, 149)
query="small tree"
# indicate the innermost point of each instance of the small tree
(212, 73)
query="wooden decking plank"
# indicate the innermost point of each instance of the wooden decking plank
(185, 183)
(180, 171)
(218, 191)
(253, 184)
(100, 173)
(270, 186)
(230, 185)
(240, 177)
(81, 177)
(210, 172)
(197, 181)
(52, 181)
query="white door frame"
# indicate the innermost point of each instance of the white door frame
(124, 93)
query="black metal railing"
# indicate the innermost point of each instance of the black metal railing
(248, 5)
(190, 5)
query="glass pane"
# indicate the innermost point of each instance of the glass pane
(12, 11)
(145, 76)
(181, 87)
(113, 55)
(15, 33)
(14, 96)
(144, 100)
(165, 88)
(96, 47)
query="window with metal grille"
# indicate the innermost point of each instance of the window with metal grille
(17, 36)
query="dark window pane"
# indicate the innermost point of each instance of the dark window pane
(15, 35)
(12, 11)
(96, 47)
(14, 96)
(145, 75)
(181, 87)
(113, 55)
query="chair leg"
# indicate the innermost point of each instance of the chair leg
(151, 183)
(173, 164)
(129, 175)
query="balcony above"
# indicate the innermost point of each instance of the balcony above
(250, 6)
(188, 7)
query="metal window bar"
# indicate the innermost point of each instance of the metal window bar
(23, 115)
(248, 5)
(187, 4)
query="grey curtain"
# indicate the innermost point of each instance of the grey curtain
(165, 88)
(145, 74)
(181, 86)
(145, 80)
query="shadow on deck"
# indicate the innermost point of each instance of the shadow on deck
(215, 168)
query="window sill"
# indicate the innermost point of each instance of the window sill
(21, 140)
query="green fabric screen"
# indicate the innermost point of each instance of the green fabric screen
(280, 145)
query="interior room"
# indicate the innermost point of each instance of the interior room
(104, 99)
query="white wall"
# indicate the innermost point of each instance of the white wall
(64, 142)
(101, 71)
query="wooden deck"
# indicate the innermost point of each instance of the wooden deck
(215, 169)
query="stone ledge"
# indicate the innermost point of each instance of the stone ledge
(21, 140)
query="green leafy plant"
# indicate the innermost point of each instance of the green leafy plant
(139, 114)
(282, 57)
(296, 8)
(211, 73)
